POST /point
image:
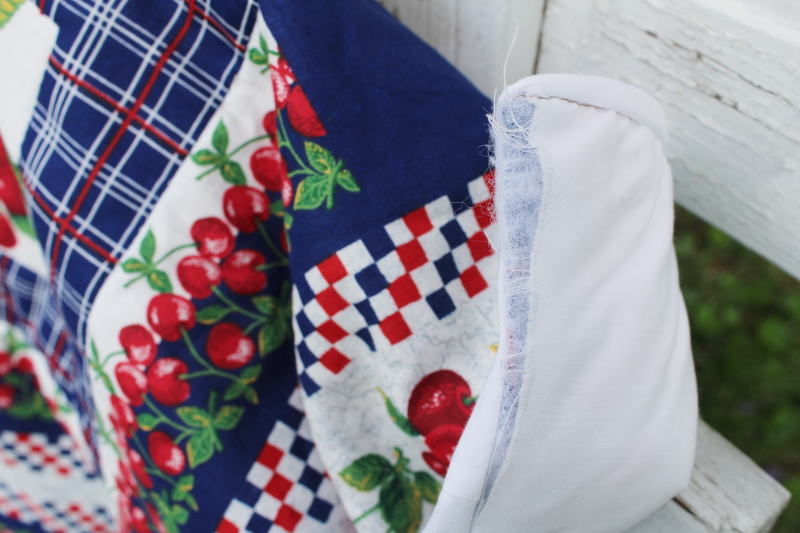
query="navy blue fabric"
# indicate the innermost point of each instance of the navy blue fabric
(408, 125)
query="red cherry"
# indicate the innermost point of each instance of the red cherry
(7, 393)
(124, 415)
(198, 274)
(439, 399)
(139, 520)
(302, 115)
(270, 123)
(165, 385)
(137, 465)
(167, 456)
(7, 237)
(25, 366)
(168, 313)
(244, 205)
(282, 77)
(5, 363)
(442, 442)
(132, 381)
(228, 347)
(213, 237)
(269, 167)
(138, 343)
(10, 190)
(240, 274)
(125, 482)
(155, 518)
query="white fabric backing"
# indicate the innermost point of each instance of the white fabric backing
(594, 373)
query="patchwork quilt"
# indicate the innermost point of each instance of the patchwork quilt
(247, 281)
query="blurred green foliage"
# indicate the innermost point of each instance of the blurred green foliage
(745, 321)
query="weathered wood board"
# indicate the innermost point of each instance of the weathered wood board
(728, 75)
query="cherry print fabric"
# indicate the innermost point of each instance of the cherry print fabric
(266, 296)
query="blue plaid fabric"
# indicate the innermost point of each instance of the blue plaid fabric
(129, 88)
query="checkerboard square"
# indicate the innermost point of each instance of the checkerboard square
(278, 487)
(311, 479)
(453, 233)
(446, 267)
(316, 280)
(331, 331)
(315, 313)
(258, 524)
(238, 513)
(412, 255)
(331, 301)
(483, 213)
(291, 467)
(301, 448)
(383, 304)
(355, 257)
(441, 303)
(418, 222)
(306, 356)
(391, 267)
(334, 360)
(371, 280)
(249, 493)
(227, 527)
(288, 518)
(395, 329)
(439, 210)
(259, 475)
(267, 505)
(367, 312)
(434, 244)
(427, 279)
(320, 509)
(304, 291)
(270, 456)
(349, 289)
(473, 281)
(366, 336)
(404, 291)
(478, 190)
(309, 385)
(332, 269)
(479, 246)
(282, 436)
(378, 243)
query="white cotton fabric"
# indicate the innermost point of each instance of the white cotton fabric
(587, 422)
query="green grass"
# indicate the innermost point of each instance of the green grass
(745, 320)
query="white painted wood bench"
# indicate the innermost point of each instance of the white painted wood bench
(728, 75)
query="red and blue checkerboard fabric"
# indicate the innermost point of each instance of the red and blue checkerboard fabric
(285, 486)
(414, 270)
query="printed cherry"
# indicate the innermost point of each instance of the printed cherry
(24, 366)
(132, 381)
(167, 456)
(213, 237)
(439, 398)
(125, 482)
(243, 206)
(123, 416)
(270, 123)
(442, 442)
(228, 347)
(302, 116)
(240, 274)
(198, 274)
(7, 393)
(5, 363)
(137, 465)
(139, 520)
(282, 77)
(168, 313)
(138, 343)
(155, 518)
(165, 384)
(7, 237)
(269, 167)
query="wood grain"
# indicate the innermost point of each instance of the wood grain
(728, 75)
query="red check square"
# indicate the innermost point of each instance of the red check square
(395, 328)
(404, 291)
(278, 487)
(332, 331)
(334, 360)
(332, 269)
(412, 255)
(479, 246)
(270, 456)
(331, 301)
(473, 281)
(287, 518)
(418, 222)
